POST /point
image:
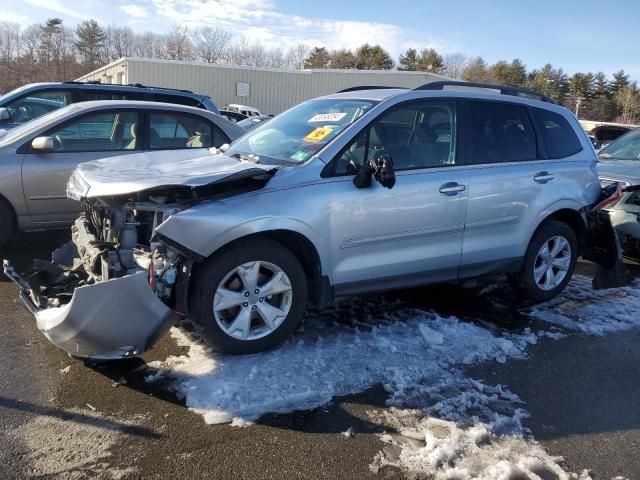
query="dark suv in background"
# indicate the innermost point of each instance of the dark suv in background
(31, 101)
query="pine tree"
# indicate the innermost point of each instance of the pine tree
(409, 60)
(318, 58)
(430, 61)
(513, 74)
(620, 80)
(477, 70)
(90, 38)
(343, 59)
(373, 58)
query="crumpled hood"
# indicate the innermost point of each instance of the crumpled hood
(627, 170)
(132, 173)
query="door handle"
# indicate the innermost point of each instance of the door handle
(451, 188)
(543, 177)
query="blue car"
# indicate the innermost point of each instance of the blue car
(34, 100)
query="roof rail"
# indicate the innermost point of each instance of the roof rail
(502, 89)
(366, 87)
(136, 85)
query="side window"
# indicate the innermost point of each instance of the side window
(559, 138)
(501, 132)
(37, 104)
(173, 130)
(90, 95)
(177, 99)
(422, 135)
(97, 132)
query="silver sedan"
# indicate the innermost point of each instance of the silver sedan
(37, 158)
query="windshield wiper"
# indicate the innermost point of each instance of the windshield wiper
(245, 157)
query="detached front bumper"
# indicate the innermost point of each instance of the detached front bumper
(108, 320)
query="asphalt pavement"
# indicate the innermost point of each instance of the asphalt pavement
(61, 418)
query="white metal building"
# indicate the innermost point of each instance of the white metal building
(271, 91)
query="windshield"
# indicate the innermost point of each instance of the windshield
(14, 93)
(25, 128)
(626, 147)
(299, 133)
(249, 123)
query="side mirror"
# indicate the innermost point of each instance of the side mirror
(363, 177)
(381, 168)
(42, 144)
(4, 114)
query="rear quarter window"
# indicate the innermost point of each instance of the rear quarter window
(558, 135)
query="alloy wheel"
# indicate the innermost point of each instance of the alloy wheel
(252, 300)
(552, 263)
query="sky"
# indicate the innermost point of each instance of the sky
(582, 35)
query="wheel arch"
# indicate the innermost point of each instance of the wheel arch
(320, 290)
(575, 219)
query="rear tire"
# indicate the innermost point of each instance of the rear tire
(7, 223)
(239, 310)
(548, 264)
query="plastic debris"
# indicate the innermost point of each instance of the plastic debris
(348, 433)
(117, 383)
(65, 370)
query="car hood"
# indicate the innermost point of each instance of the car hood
(126, 174)
(627, 170)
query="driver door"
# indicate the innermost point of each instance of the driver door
(410, 234)
(93, 136)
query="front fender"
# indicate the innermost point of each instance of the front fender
(206, 230)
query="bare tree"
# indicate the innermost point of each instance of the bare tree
(628, 101)
(296, 56)
(151, 45)
(454, 64)
(120, 42)
(179, 46)
(9, 52)
(209, 43)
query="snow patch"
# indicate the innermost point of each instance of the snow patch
(593, 312)
(332, 360)
(459, 428)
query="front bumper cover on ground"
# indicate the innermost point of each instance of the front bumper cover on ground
(109, 320)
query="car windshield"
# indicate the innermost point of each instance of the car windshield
(299, 133)
(36, 123)
(626, 147)
(14, 93)
(249, 123)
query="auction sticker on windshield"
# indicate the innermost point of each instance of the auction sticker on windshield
(318, 134)
(328, 117)
(300, 155)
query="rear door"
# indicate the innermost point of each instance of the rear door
(179, 130)
(512, 181)
(92, 136)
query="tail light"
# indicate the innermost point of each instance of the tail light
(612, 196)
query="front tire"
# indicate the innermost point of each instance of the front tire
(249, 297)
(548, 264)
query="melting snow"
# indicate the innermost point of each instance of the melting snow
(461, 428)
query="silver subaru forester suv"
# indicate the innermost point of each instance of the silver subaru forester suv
(360, 191)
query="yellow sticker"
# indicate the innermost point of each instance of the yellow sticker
(318, 134)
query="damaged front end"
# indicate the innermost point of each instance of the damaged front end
(110, 292)
(118, 286)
